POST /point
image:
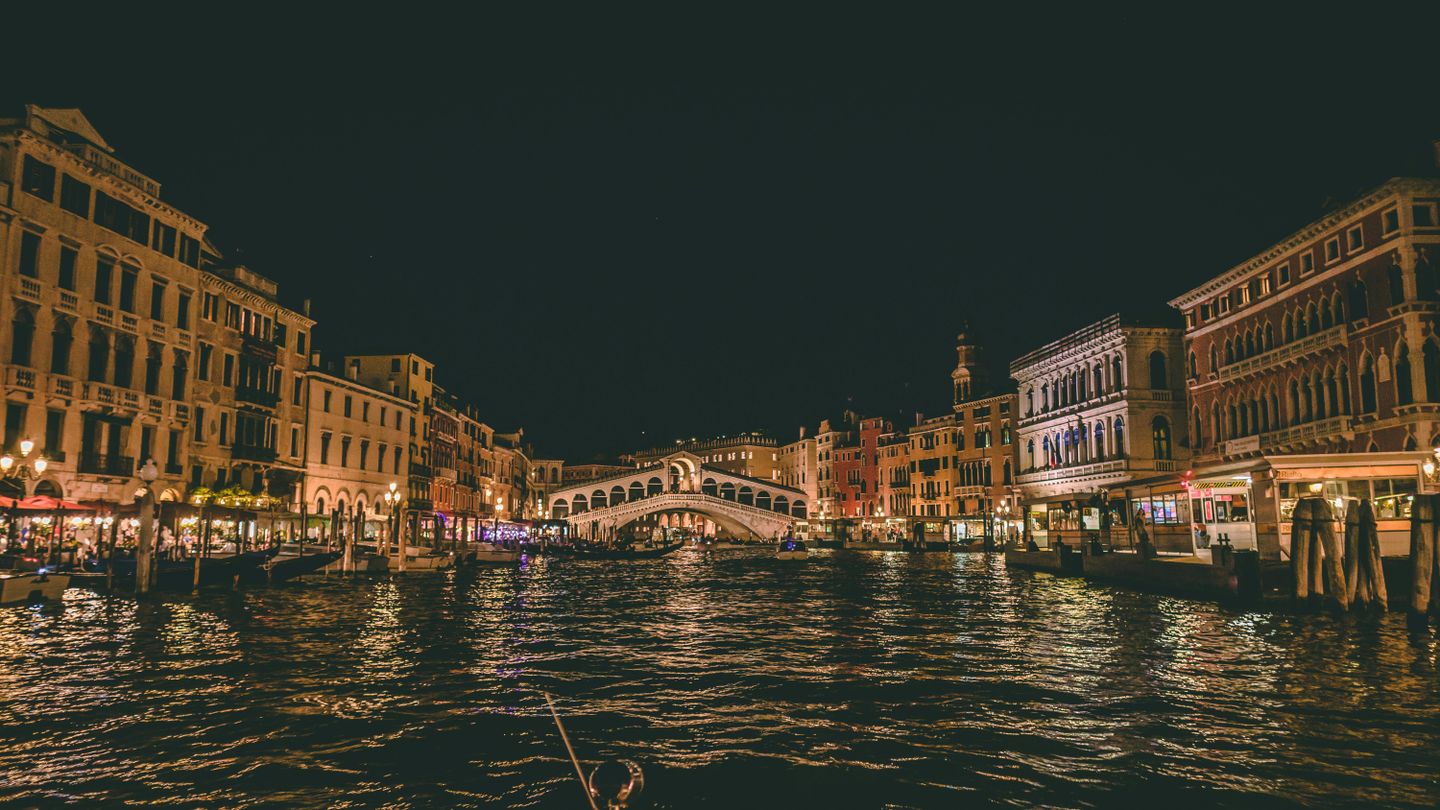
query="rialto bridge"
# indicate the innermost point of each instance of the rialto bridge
(679, 490)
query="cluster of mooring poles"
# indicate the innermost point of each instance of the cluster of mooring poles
(1352, 577)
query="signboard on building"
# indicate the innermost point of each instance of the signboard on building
(1249, 444)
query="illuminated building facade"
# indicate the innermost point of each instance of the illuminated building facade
(1102, 421)
(749, 454)
(1317, 362)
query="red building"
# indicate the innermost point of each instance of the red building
(1314, 366)
(871, 429)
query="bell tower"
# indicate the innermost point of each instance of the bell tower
(967, 376)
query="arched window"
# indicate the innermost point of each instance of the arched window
(1325, 320)
(1244, 419)
(1307, 399)
(1249, 343)
(1029, 401)
(124, 361)
(1269, 336)
(1030, 455)
(1302, 328)
(1396, 278)
(1275, 419)
(1099, 377)
(1359, 302)
(1099, 441)
(1217, 431)
(1337, 308)
(1229, 352)
(60, 342)
(1158, 377)
(22, 336)
(1296, 415)
(1367, 385)
(1432, 371)
(1160, 433)
(1045, 449)
(1425, 282)
(1117, 374)
(1404, 387)
(1312, 317)
(1332, 393)
(1343, 380)
(1119, 437)
(1084, 384)
(1196, 434)
(1194, 368)
(1214, 359)
(1009, 477)
(1287, 328)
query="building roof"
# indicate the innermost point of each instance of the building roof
(69, 119)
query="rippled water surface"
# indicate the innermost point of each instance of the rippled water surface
(848, 680)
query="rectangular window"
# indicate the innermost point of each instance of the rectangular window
(344, 451)
(14, 424)
(227, 374)
(202, 361)
(67, 267)
(1307, 264)
(157, 300)
(348, 403)
(147, 442)
(1332, 250)
(324, 448)
(54, 432)
(300, 343)
(189, 251)
(104, 273)
(163, 239)
(30, 254)
(380, 458)
(128, 277)
(395, 365)
(1282, 274)
(295, 441)
(75, 196)
(325, 399)
(182, 311)
(364, 452)
(209, 306)
(38, 178)
(199, 435)
(232, 315)
(1390, 221)
(1265, 284)
(172, 452)
(1354, 239)
(365, 411)
(116, 216)
(224, 427)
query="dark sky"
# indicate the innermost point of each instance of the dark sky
(616, 232)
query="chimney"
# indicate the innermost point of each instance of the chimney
(802, 431)
(305, 308)
(919, 417)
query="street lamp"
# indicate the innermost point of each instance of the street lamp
(18, 472)
(393, 499)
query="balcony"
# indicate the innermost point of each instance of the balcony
(447, 473)
(180, 411)
(256, 347)
(120, 466)
(246, 452)
(419, 470)
(69, 301)
(159, 331)
(129, 323)
(104, 314)
(1290, 352)
(29, 289)
(62, 386)
(255, 396)
(1075, 407)
(20, 377)
(1310, 432)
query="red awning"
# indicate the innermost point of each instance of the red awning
(45, 503)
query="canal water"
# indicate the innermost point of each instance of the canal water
(849, 680)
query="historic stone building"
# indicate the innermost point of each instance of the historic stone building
(1102, 427)
(1317, 362)
(410, 377)
(893, 475)
(751, 454)
(797, 466)
(933, 445)
(356, 446)
(101, 281)
(250, 356)
(987, 457)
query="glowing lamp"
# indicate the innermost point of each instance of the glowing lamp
(1316, 487)
(26, 446)
(1429, 468)
(40, 465)
(6, 462)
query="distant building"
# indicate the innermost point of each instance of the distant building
(750, 454)
(409, 377)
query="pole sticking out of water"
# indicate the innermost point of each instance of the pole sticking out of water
(565, 738)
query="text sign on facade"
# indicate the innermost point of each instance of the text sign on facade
(1249, 444)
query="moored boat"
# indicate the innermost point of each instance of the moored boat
(630, 553)
(23, 587)
(492, 553)
(791, 549)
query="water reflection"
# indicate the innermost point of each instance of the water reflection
(851, 680)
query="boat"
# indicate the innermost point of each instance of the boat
(791, 549)
(629, 553)
(179, 575)
(420, 559)
(284, 567)
(492, 553)
(24, 587)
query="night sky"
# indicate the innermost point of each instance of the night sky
(619, 232)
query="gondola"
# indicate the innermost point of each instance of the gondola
(625, 553)
(287, 567)
(178, 575)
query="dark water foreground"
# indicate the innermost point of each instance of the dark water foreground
(849, 680)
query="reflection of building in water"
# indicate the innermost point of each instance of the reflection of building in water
(1316, 364)
(1101, 428)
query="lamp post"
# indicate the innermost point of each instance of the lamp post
(18, 474)
(393, 498)
(495, 530)
(148, 474)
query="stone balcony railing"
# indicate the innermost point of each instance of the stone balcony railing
(1289, 352)
(1310, 431)
(1106, 467)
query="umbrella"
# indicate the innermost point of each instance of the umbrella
(45, 503)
